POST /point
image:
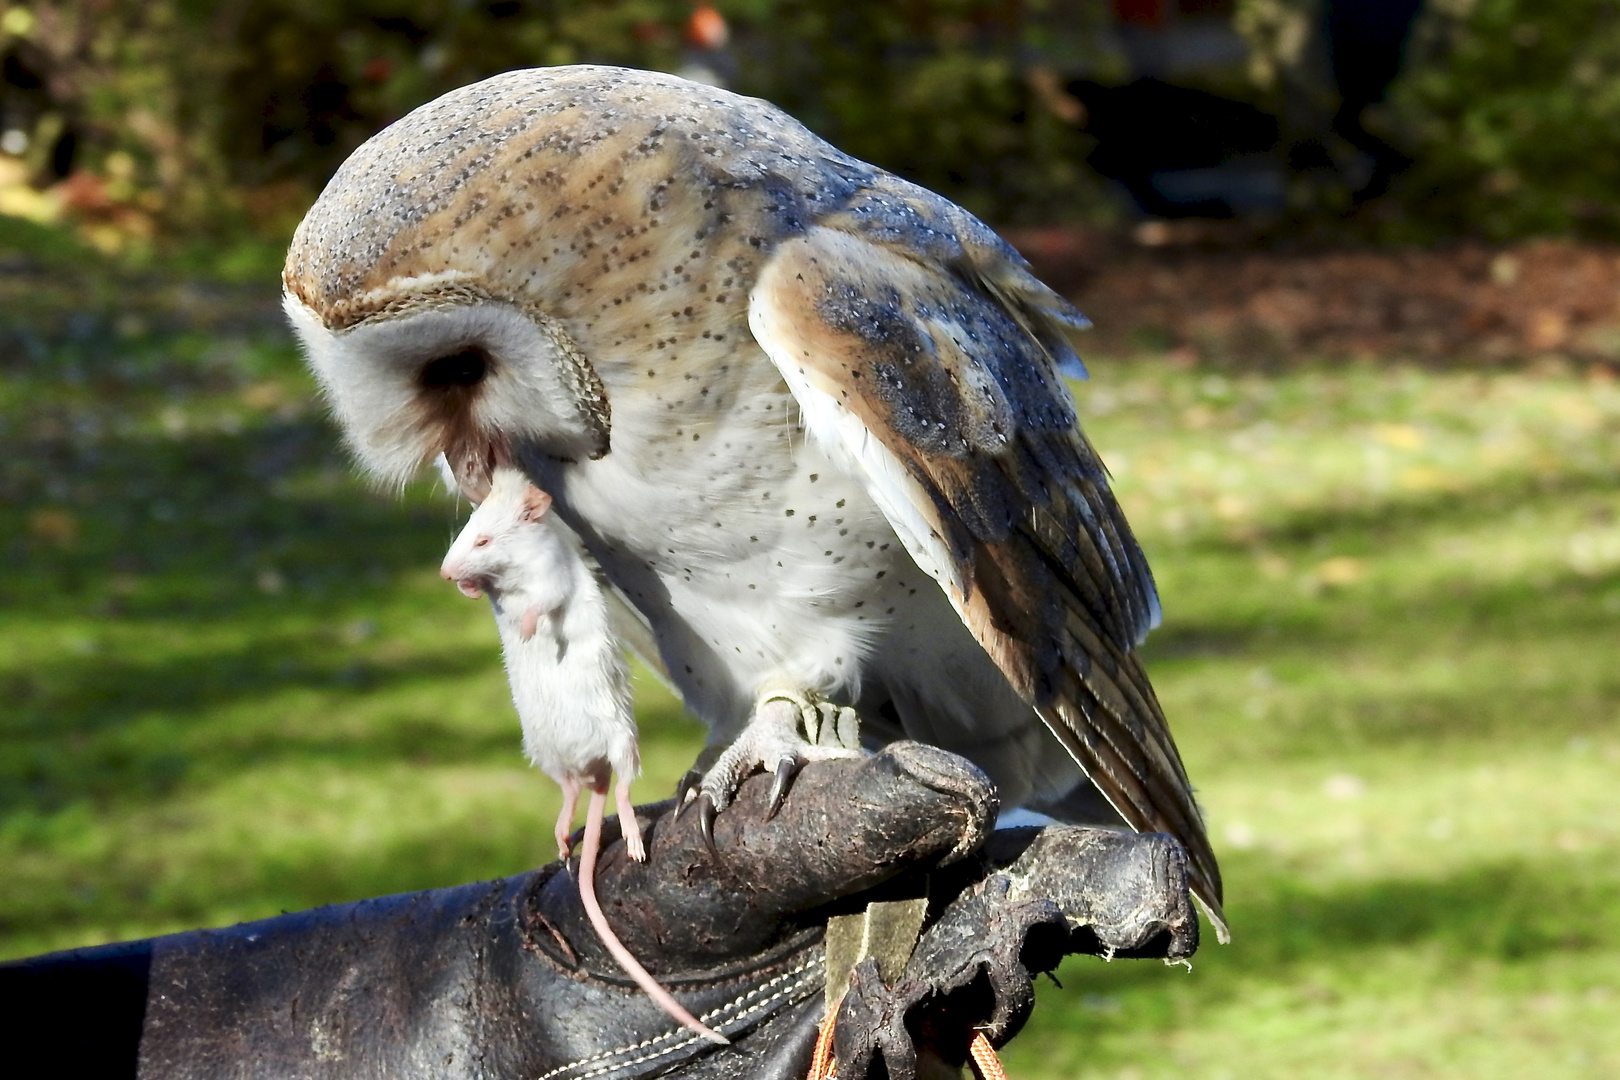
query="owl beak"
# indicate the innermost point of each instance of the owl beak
(472, 478)
(473, 458)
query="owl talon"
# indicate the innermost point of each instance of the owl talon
(706, 814)
(776, 741)
(686, 789)
(786, 769)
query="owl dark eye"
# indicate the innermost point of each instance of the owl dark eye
(464, 368)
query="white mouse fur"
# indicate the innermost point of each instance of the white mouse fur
(568, 676)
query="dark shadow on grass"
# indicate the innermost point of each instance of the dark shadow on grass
(248, 551)
(1507, 700)
(1382, 525)
(1507, 912)
(200, 521)
(295, 879)
(79, 743)
(1560, 601)
(1262, 615)
(75, 696)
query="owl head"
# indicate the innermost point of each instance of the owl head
(458, 372)
(425, 281)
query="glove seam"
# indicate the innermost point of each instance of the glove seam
(714, 1017)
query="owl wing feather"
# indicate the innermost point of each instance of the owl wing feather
(932, 368)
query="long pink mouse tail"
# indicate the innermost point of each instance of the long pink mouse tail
(593, 911)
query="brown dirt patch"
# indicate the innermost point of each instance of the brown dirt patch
(1468, 304)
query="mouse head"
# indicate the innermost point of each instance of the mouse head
(486, 551)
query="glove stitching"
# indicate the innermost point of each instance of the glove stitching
(688, 1040)
(711, 979)
(712, 1017)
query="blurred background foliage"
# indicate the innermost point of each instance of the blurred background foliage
(174, 118)
(1512, 109)
(153, 123)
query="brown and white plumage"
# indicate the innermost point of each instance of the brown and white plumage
(645, 292)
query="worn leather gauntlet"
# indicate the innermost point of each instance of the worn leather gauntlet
(506, 978)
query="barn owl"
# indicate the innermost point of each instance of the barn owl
(808, 418)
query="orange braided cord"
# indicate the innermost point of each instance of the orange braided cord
(824, 1067)
(822, 1064)
(985, 1061)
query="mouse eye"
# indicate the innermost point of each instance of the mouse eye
(482, 541)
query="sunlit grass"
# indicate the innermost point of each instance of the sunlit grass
(234, 685)
(1392, 658)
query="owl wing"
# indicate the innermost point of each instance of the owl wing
(931, 369)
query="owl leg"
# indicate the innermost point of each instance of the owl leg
(789, 729)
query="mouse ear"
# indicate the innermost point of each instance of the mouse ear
(535, 504)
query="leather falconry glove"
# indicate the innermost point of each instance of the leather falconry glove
(506, 979)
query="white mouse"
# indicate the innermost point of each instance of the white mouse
(568, 675)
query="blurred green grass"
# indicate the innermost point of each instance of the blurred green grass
(234, 685)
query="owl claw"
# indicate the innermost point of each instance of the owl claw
(685, 790)
(706, 812)
(786, 770)
(788, 730)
